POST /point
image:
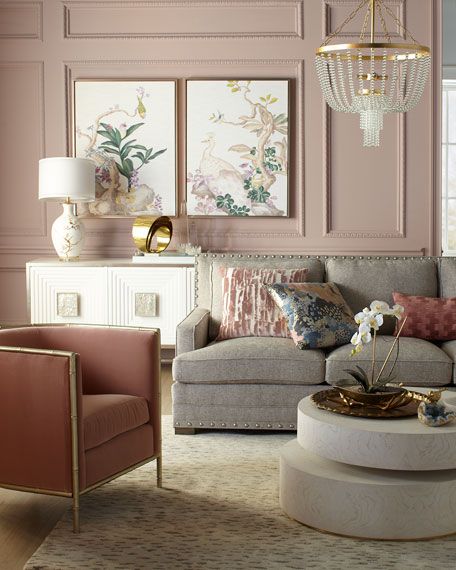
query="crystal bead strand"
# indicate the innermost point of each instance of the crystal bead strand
(342, 80)
(351, 83)
(394, 78)
(411, 83)
(383, 83)
(335, 88)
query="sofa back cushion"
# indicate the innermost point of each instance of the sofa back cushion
(362, 281)
(448, 277)
(208, 281)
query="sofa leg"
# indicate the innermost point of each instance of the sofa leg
(185, 431)
(159, 471)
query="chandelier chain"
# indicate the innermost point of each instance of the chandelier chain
(364, 28)
(345, 22)
(397, 21)
(382, 20)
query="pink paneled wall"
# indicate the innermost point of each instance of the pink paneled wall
(344, 198)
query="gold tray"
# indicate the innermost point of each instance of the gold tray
(331, 401)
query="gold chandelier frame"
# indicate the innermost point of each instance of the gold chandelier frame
(418, 50)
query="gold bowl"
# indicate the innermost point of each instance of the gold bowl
(385, 399)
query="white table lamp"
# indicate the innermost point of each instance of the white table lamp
(67, 180)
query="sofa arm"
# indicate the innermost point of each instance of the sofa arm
(192, 332)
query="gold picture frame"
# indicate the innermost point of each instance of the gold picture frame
(129, 128)
(224, 174)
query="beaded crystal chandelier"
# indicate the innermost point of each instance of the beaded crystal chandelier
(371, 77)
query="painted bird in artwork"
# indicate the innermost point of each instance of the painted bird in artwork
(223, 176)
(141, 109)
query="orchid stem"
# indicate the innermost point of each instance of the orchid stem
(374, 344)
(391, 350)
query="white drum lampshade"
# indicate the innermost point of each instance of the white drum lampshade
(67, 180)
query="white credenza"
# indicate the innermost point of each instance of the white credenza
(158, 293)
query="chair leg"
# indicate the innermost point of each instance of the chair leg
(159, 471)
(76, 513)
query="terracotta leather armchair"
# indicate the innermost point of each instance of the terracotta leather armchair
(79, 406)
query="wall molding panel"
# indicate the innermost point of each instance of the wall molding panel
(328, 185)
(254, 19)
(22, 93)
(21, 20)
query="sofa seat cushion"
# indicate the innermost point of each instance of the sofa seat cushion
(106, 416)
(420, 363)
(250, 360)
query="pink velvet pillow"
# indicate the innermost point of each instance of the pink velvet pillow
(247, 309)
(430, 318)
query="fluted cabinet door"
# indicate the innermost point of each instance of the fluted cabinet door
(67, 294)
(190, 289)
(149, 297)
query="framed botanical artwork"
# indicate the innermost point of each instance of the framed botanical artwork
(128, 128)
(237, 147)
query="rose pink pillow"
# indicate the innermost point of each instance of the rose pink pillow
(247, 309)
(430, 318)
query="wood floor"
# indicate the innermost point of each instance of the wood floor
(26, 519)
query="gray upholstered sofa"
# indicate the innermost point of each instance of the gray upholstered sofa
(256, 382)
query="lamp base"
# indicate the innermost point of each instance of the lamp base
(68, 234)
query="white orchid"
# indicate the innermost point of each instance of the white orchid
(397, 311)
(359, 317)
(371, 319)
(379, 307)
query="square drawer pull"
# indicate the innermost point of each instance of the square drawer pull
(68, 304)
(146, 305)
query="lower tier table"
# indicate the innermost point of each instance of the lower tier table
(416, 501)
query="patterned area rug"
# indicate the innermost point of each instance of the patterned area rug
(218, 510)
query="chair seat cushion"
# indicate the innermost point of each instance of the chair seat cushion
(420, 363)
(106, 416)
(250, 360)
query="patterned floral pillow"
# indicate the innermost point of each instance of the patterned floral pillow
(430, 318)
(317, 315)
(247, 308)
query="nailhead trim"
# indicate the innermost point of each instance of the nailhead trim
(297, 256)
(256, 425)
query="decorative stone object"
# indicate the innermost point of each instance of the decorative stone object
(67, 305)
(146, 305)
(436, 413)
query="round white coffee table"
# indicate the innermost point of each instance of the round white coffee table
(381, 479)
